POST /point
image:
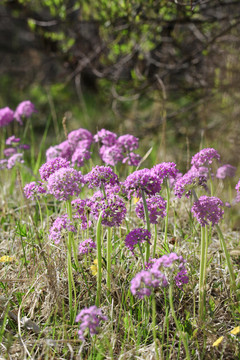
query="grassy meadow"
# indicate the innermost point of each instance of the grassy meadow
(143, 254)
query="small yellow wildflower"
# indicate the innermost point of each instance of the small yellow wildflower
(218, 341)
(94, 268)
(135, 200)
(235, 331)
(6, 258)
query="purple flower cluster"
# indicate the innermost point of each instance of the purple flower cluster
(205, 157)
(80, 135)
(86, 246)
(160, 272)
(208, 210)
(75, 148)
(90, 319)
(128, 142)
(106, 137)
(82, 208)
(144, 283)
(166, 169)
(142, 180)
(61, 226)
(14, 159)
(112, 207)
(188, 181)
(132, 159)
(101, 176)
(12, 153)
(114, 150)
(6, 116)
(12, 140)
(34, 189)
(24, 110)
(51, 166)
(136, 237)
(226, 170)
(156, 208)
(237, 187)
(64, 183)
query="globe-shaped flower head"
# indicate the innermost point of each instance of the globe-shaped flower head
(156, 208)
(24, 110)
(6, 116)
(65, 183)
(208, 210)
(205, 157)
(89, 318)
(101, 176)
(166, 169)
(51, 166)
(142, 180)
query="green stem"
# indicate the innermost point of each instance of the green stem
(202, 275)
(99, 258)
(155, 240)
(147, 222)
(154, 326)
(73, 244)
(166, 218)
(182, 334)
(228, 259)
(109, 250)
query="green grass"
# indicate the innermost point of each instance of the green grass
(36, 283)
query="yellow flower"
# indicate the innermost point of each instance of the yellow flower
(218, 341)
(235, 331)
(135, 200)
(6, 258)
(94, 268)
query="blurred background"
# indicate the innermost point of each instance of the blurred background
(165, 71)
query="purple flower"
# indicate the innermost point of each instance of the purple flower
(226, 170)
(208, 210)
(143, 284)
(113, 210)
(6, 116)
(90, 319)
(112, 155)
(128, 142)
(82, 208)
(156, 208)
(64, 183)
(61, 226)
(14, 159)
(9, 152)
(51, 166)
(205, 157)
(12, 139)
(24, 146)
(101, 176)
(64, 150)
(136, 237)
(79, 155)
(132, 159)
(106, 137)
(173, 268)
(78, 135)
(142, 180)
(86, 246)
(188, 181)
(34, 189)
(237, 187)
(24, 110)
(166, 169)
